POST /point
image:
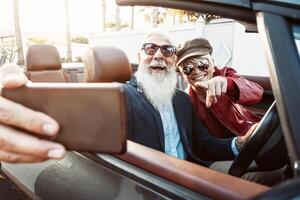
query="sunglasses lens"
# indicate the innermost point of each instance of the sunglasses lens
(187, 70)
(150, 48)
(168, 50)
(203, 67)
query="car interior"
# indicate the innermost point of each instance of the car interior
(266, 150)
(99, 67)
(43, 64)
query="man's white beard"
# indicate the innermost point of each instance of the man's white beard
(158, 88)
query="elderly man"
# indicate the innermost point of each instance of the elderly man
(159, 115)
(218, 95)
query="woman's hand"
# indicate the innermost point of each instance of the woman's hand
(215, 87)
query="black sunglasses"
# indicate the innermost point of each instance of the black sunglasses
(202, 65)
(166, 50)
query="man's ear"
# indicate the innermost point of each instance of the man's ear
(176, 59)
(179, 69)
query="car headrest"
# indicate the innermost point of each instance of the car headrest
(42, 57)
(106, 64)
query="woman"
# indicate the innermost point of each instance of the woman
(218, 95)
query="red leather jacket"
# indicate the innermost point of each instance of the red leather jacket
(228, 117)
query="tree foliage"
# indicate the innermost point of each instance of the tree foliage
(80, 39)
(191, 16)
(207, 18)
(37, 40)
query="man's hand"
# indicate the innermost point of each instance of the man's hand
(19, 126)
(240, 141)
(214, 87)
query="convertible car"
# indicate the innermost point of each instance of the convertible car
(144, 173)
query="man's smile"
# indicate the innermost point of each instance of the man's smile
(158, 68)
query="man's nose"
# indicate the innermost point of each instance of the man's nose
(158, 55)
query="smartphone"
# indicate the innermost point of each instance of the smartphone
(92, 116)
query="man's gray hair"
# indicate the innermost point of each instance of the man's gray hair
(163, 33)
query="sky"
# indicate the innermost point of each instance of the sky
(49, 15)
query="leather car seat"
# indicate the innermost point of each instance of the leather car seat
(106, 64)
(43, 64)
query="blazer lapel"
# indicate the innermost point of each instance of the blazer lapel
(185, 136)
(186, 139)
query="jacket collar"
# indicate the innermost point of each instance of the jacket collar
(133, 81)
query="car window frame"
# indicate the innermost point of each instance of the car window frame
(284, 66)
(274, 22)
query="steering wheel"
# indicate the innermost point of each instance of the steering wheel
(261, 135)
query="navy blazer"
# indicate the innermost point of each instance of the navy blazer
(145, 127)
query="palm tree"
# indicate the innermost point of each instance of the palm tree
(207, 18)
(18, 33)
(144, 12)
(103, 15)
(155, 17)
(183, 16)
(118, 19)
(132, 18)
(173, 14)
(68, 34)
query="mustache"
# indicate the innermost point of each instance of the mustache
(157, 64)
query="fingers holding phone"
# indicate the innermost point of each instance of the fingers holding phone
(17, 145)
(11, 76)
